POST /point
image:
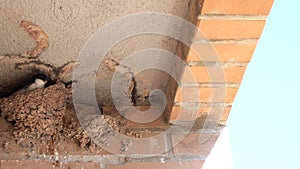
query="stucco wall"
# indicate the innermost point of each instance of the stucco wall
(69, 24)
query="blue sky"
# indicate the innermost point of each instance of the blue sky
(264, 124)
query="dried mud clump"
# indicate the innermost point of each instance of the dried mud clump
(38, 34)
(37, 114)
(43, 114)
(102, 127)
(99, 127)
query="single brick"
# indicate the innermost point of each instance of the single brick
(249, 7)
(204, 94)
(213, 74)
(193, 144)
(180, 114)
(68, 147)
(230, 29)
(188, 114)
(79, 165)
(193, 164)
(220, 52)
(26, 164)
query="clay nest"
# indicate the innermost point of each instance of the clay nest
(43, 114)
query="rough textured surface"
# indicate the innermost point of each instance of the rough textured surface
(42, 114)
(101, 128)
(44, 127)
(68, 25)
(47, 115)
(37, 114)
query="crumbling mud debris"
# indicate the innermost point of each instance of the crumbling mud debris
(47, 114)
(125, 145)
(37, 114)
(100, 128)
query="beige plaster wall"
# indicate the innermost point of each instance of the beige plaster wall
(69, 24)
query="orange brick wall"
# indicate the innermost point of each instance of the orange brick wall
(230, 30)
(241, 7)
